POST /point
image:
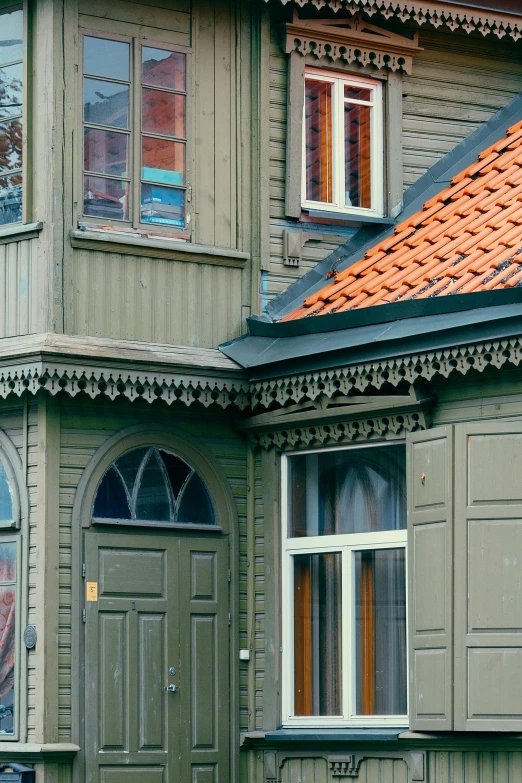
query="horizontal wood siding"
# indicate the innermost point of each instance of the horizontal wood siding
(457, 83)
(21, 302)
(85, 426)
(137, 298)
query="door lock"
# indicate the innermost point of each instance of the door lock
(171, 688)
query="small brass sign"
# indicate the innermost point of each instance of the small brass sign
(92, 591)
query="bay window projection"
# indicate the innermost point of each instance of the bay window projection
(343, 146)
(134, 132)
(11, 116)
(344, 601)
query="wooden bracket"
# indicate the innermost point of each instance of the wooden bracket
(348, 766)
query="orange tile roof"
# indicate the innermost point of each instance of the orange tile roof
(467, 238)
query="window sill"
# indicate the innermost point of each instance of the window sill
(349, 219)
(18, 231)
(168, 249)
(33, 751)
(330, 736)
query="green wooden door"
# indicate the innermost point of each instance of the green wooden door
(161, 607)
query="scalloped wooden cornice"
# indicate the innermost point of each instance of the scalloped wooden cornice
(429, 12)
(351, 40)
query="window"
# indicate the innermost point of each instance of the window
(151, 486)
(344, 587)
(8, 631)
(343, 144)
(134, 117)
(11, 116)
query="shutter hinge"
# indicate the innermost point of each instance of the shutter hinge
(83, 570)
(84, 615)
(229, 575)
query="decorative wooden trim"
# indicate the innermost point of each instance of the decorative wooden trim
(351, 40)
(430, 12)
(347, 765)
(341, 380)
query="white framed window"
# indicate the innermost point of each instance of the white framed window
(344, 587)
(343, 165)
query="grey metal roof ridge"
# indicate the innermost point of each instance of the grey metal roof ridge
(427, 186)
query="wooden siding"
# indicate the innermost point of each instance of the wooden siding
(150, 299)
(84, 427)
(456, 84)
(21, 305)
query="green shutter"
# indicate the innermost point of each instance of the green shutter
(430, 557)
(488, 576)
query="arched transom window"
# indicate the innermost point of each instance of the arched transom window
(152, 486)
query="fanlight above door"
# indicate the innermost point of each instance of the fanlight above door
(152, 486)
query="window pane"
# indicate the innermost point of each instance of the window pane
(128, 465)
(11, 90)
(102, 57)
(107, 198)
(105, 152)
(347, 491)
(357, 134)
(195, 507)
(163, 113)
(6, 499)
(380, 612)
(106, 103)
(7, 658)
(161, 205)
(11, 38)
(10, 199)
(163, 161)
(152, 502)
(10, 145)
(111, 500)
(317, 634)
(178, 472)
(318, 126)
(357, 93)
(8, 561)
(163, 69)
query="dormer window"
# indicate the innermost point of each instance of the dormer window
(342, 144)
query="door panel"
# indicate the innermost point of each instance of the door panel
(162, 603)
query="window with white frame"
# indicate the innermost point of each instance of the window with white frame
(342, 144)
(344, 587)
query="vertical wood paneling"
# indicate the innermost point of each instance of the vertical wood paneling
(19, 289)
(150, 299)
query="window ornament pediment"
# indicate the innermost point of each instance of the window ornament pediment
(351, 40)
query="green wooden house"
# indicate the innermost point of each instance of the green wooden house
(260, 404)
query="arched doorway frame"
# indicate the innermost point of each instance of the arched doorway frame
(206, 464)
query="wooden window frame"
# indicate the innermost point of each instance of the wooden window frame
(347, 545)
(14, 538)
(391, 124)
(134, 222)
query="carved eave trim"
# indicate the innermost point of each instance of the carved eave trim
(429, 12)
(118, 382)
(396, 370)
(351, 40)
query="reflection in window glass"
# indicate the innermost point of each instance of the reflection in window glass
(107, 198)
(106, 103)
(7, 635)
(103, 57)
(106, 152)
(162, 68)
(163, 113)
(11, 106)
(318, 130)
(162, 205)
(151, 486)
(317, 634)
(6, 497)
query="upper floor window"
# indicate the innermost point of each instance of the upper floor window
(343, 144)
(134, 139)
(344, 588)
(11, 115)
(152, 486)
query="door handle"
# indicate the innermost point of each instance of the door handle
(171, 688)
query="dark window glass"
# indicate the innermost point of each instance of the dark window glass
(128, 465)
(177, 471)
(152, 502)
(162, 68)
(107, 198)
(352, 92)
(105, 152)
(357, 139)
(348, 491)
(106, 103)
(195, 507)
(318, 130)
(102, 57)
(111, 499)
(6, 497)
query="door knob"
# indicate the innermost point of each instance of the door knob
(171, 688)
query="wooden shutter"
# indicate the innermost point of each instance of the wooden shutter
(488, 576)
(430, 556)
(294, 134)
